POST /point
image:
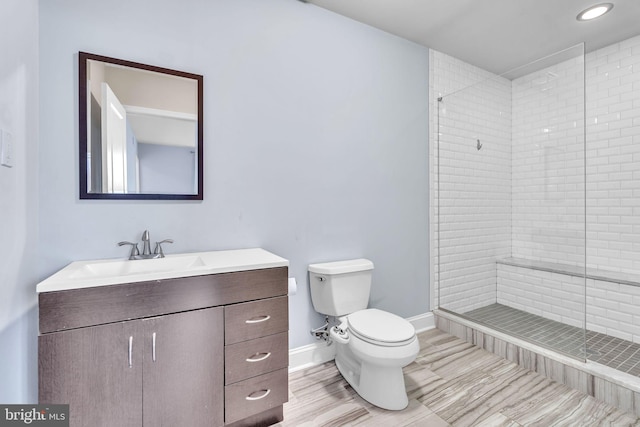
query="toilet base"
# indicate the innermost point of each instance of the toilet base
(379, 385)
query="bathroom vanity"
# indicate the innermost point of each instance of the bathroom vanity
(196, 340)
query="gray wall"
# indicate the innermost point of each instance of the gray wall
(315, 131)
(18, 201)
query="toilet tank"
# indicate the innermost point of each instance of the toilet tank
(342, 287)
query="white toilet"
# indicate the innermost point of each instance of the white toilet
(372, 346)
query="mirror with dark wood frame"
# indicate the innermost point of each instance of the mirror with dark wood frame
(140, 131)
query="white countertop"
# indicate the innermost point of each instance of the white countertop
(85, 274)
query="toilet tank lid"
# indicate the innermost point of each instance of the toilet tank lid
(341, 267)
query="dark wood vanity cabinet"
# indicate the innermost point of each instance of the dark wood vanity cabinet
(217, 354)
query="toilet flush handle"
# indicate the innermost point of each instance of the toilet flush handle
(321, 278)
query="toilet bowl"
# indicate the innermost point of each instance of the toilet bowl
(372, 345)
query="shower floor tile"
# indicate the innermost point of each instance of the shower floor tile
(610, 351)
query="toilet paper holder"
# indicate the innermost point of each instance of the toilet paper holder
(292, 286)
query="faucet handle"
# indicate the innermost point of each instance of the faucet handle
(158, 249)
(134, 248)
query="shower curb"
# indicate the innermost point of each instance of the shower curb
(603, 383)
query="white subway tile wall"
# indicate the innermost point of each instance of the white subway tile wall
(613, 157)
(548, 198)
(522, 194)
(473, 210)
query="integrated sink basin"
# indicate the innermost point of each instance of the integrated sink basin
(82, 274)
(114, 268)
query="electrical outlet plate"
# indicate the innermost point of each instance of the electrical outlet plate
(6, 148)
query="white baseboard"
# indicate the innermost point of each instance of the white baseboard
(423, 322)
(311, 355)
(321, 352)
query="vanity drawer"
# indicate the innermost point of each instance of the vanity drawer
(255, 319)
(255, 395)
(255, 357)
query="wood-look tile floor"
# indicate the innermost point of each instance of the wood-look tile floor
(451, 383)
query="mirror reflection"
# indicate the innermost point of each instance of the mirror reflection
(143, 131)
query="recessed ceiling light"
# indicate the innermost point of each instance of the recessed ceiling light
(594, 12)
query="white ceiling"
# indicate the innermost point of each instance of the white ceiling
(496, 35)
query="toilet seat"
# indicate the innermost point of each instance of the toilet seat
(381, 328)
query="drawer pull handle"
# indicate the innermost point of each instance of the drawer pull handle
(264, 394)
(258, 319)
(131, 352)
(258, 357)
(153, 347)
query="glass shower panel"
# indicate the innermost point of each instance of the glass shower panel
(473, 193)
(510, 202)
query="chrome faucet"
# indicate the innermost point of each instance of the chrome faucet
(146, 248)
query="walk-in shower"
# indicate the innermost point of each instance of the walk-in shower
(536, 191)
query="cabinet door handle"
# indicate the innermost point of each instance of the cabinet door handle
(258, 357)
(153, 346)
(258, 319)
(264, 394)
(131, 351)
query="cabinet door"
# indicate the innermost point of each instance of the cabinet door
(97, 371)
(184, 369)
